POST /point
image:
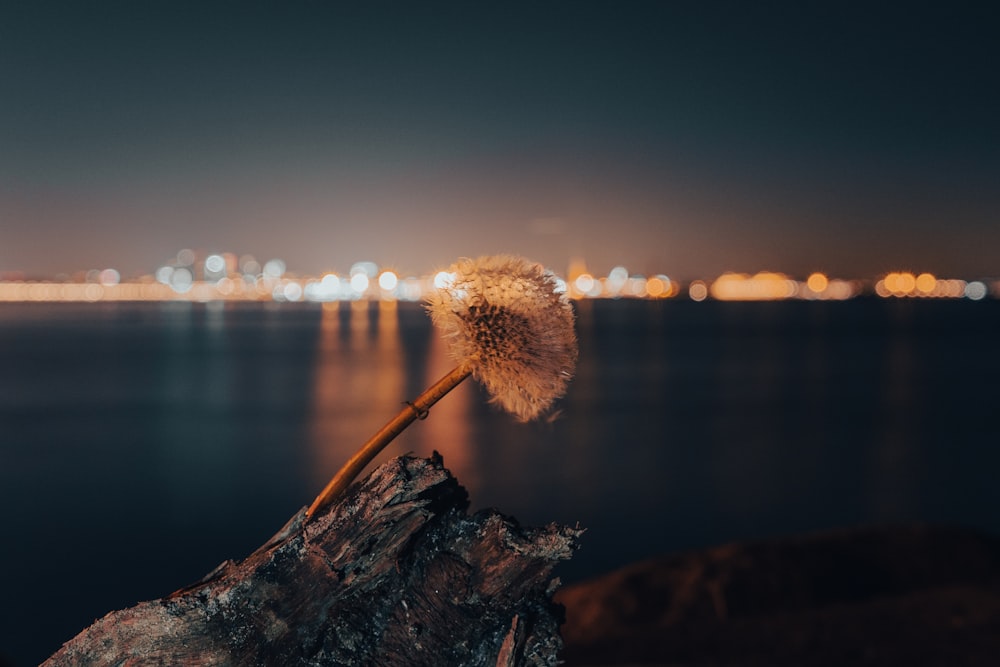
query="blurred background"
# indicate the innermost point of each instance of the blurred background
(777, 224)
(144, 443)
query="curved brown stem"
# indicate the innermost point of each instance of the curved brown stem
(416, 409)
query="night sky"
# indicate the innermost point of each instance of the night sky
(687, 138)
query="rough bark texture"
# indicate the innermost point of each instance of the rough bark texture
(396, 573)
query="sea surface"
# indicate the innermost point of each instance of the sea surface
(143, 444)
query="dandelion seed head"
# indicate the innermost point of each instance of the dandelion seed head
(507, 320)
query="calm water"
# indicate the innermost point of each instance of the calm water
(141, 445)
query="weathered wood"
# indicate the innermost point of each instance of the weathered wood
(395, 573)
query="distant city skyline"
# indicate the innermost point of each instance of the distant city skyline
(365, 281)
(197, 260)
(207, 277)
(681, 138)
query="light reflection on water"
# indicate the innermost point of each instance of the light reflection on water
(160, 439)
(363, 375)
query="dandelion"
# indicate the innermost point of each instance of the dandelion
(510, 326)
(509, 323)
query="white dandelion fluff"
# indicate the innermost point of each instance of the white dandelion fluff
(509, 323)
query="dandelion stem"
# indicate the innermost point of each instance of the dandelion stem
(415, 409)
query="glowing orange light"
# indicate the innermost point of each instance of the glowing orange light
(926, 283)
(763, 286)
(817, 282)
(906, 283)
(890, 283)
(839, 290)
(900, 283)
(656, 287)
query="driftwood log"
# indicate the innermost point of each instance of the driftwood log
(395, 573)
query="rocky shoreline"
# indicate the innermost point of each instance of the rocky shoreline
(914, 595)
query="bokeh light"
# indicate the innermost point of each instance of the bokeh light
(817, 283)
(763, 286)
(388, 280)
(359, 283)
(698, 291)
(215, 265)
(975, 290)
(181, 279)
(584, 283)
(227, 276)
(274, 268)
(925, 283)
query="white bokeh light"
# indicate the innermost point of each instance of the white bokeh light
(359, 283)
(388, 280)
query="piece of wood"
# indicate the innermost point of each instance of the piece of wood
(395, 573)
